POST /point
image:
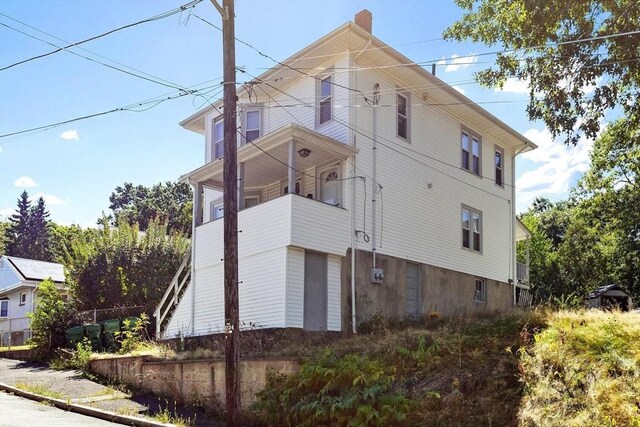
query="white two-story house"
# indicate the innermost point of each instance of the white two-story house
(366, 185)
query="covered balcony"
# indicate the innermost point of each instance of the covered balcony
(293, 157)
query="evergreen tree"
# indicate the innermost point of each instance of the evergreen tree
(39, 229)
(29, 232)
(17, 235)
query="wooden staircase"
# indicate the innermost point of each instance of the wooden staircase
(172, 296)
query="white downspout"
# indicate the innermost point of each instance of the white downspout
(194, 223)
(374, 177)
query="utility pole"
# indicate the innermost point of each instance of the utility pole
(230, 199)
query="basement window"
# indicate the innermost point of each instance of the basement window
(480, 294)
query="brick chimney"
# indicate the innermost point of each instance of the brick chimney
(364, 19)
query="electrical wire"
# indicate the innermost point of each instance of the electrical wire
(167, 14)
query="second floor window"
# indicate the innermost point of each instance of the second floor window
(324, 98)
(403, 116)
(499, 160)
(218, 139)
(252, 125)
(471, 152)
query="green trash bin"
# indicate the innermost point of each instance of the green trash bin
(94, 333)
(129, 323)
(74, 335)
(109, 329)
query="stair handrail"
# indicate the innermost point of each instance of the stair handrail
(172, 291)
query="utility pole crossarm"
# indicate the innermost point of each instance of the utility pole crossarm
(224, 12)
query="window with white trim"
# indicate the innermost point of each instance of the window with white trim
(325, 92)
(217, 147)
(23, 298)
(499, 165)
(471, 145)
(251, 125)
(402, 113)
(480, 294)
(216, 211)
(4, 308)
(471, 229)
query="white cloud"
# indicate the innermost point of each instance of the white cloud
(70, 134)
(456, 62)
(25, 182)
(556, 166)
(459, 89)
(50, 199)
(6, 213)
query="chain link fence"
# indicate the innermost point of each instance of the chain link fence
(14, 331)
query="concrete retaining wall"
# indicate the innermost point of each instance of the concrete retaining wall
(190, 380)
(26, 354)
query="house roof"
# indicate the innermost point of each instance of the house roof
(352, 38)
(31, 269)
(603, 289)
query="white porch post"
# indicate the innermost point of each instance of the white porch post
(292, 166)
(240, 186)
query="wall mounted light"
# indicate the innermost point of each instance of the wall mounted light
(304, 152)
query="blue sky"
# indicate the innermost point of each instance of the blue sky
(75, 167)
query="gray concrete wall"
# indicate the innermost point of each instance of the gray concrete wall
(444, 291)
(190, 380)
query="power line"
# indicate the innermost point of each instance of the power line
(318, 78)
(167, 14)
(94, 60)
(131, 107)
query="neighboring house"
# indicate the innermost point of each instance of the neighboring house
(609, 297)
(435, 199)
(19, 280)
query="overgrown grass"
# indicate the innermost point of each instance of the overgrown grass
(41, 390)
(583, 369)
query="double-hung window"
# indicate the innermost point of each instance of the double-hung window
(471, 146)
(325, 90)
(23, 298)
(471, 229)
(4, 308)
(480, 294)
(402, 116)
(499, 163)
(251, 125)
(217, 148)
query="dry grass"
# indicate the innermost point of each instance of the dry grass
(583, 370)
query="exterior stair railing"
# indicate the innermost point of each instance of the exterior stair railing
(172, 296)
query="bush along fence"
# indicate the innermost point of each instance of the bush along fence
(14, 331)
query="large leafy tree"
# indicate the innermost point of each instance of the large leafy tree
(168, 202)
(116, 267)
(564, 49)
(29, 232)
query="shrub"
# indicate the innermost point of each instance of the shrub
(334, 391)
(49, 320)
(130, 338)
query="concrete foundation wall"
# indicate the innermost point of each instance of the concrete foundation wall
(444, 291)
(190, 380)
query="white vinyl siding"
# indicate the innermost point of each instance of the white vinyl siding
(295, 288)
(334, 321)
(419, 208)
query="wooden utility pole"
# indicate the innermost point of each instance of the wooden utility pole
(230, 199)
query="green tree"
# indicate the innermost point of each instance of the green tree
(561, 48)
(29, 234)
(49, 319)
(122, 266)
(39, 230)
(4, 226)
(168, 202)
(17, 235)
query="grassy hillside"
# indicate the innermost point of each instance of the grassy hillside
(530, 369)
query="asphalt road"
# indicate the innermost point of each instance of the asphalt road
(20, 412)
